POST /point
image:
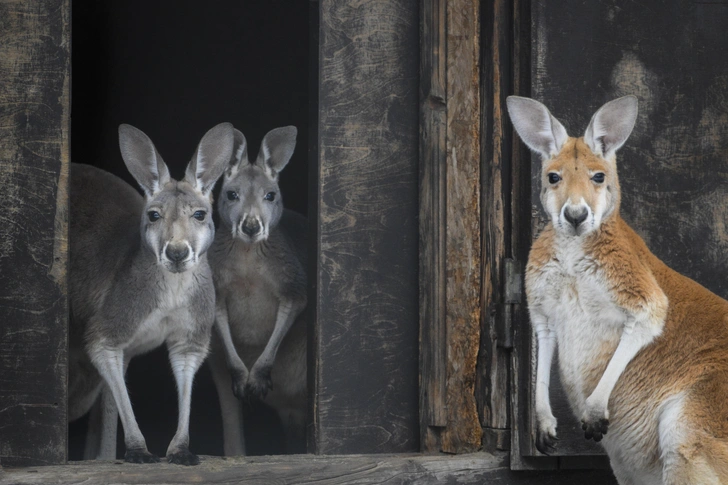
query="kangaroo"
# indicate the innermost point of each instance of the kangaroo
(258, 261)
(643, 350)
(139, 277)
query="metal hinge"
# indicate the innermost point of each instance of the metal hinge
(512, 295)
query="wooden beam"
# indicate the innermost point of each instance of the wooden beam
(463, 432)
(494, 365)
(354, 469)
(34, 163)
(433, 223)
(366, 287)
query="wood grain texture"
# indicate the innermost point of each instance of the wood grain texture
(362, 469)
(433, 223)
(493, 361)
(674, 167)
(463, 432)
(366, 342)
(34, 161)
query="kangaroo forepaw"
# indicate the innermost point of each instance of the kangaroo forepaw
(259, 383)
(140, 456)
(546, 443)
(183, 457)
(595, 421)
(240, 381)
(595, 429)
(546, 435)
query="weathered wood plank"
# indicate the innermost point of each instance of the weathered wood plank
(34, 161)
(521, 380)
(362, 469)
(463, 432)
(366, 340)
(433, 223)
(493, 395)
(673, 169)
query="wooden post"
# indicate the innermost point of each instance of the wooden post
(34, 164)
(449, 224)
(433, 223)
(365, 386)
(463, 432)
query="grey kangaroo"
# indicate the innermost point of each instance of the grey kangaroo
(258, 261)
(139, 277)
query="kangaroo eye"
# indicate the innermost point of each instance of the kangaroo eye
(200, 215)
(554, 178)
(153, 215)
(598, 177)
(271, 196)
(232, 195)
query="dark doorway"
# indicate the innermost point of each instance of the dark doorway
(174, 70)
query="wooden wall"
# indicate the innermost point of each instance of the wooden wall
(34, 158)
(365, 387)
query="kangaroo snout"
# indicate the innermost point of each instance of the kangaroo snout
(177, 253)
(576, 215)
(251, 226)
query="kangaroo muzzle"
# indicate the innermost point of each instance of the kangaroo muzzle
(575, 215)
(251, 227)
(177, 254)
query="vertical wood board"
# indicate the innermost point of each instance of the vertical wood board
(34, 161)
(433, 223)
(463, 432)
(493, 395)
(366, 376)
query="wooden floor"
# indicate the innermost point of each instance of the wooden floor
(330, 470)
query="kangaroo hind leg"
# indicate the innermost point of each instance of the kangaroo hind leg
(690, 455)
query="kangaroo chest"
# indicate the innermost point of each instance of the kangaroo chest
(573, 294)
(250, 297)
(169, 315)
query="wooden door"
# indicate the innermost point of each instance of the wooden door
(673, 169)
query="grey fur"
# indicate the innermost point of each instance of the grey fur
(127, 296)
(260, 281)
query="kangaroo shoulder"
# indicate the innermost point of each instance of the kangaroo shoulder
(542, 250)
(627, 265)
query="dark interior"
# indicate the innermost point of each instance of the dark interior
(174, 70)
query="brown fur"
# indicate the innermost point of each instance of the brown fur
(690, 355)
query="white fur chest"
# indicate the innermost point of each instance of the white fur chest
(170, 314)
(571, 292)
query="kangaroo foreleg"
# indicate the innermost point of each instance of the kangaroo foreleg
(546, 433)
(238, 371)
(259, 381)
(636, 335)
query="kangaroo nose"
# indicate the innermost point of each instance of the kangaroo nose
(177, 253)
(251, 227)
(576, 216)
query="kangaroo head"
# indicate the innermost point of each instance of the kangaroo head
(579, 185)
(250, 203)
(176, 224)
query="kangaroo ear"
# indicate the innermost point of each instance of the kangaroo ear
(276, 149)
(240, 153)
(212, 157)
(611, 125)
(536, 126)
(142, 159)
